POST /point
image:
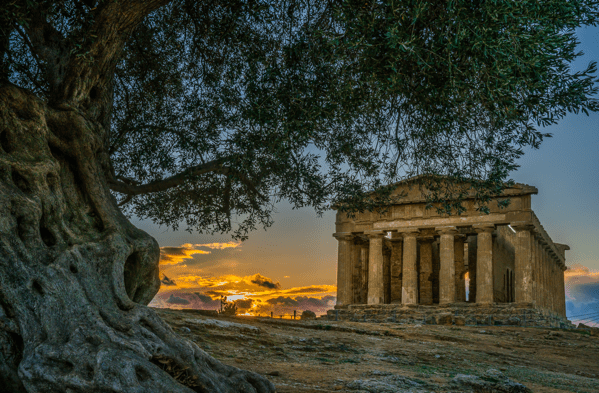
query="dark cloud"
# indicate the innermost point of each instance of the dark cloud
(310, 301)
(283, 300)
(285, 305)
(217, 293)
(328, 298)
(265, 282)
(203, 298)
(167, 281)
(177, 300)
(244, 303)
(207, 302)
(585, 293)
(308, 290)
(172, 251)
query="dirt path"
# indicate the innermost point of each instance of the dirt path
(323, 356)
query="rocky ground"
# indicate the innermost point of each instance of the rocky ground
(328, 356)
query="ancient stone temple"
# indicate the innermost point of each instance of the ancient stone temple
(413, 258)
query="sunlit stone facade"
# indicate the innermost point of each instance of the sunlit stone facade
(414, 256)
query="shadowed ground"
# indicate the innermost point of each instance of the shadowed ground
(324, 356)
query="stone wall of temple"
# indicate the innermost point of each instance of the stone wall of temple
(504, 253)
(416, 256)
(500, 314)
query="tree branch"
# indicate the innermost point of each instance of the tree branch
(74, 72)
(169, 182)
(129, 186)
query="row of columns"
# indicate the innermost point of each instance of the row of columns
(538, 278)
(548, 278)
(451, 259)
(539, 275)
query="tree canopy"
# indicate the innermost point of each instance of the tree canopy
(214, 110)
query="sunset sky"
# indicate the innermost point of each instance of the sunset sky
(292, 266)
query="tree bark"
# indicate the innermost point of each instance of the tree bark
(75, 274)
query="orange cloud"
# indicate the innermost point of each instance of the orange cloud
(219, 246)
(176, 255)
(582, 285)
(579, 272)
(257, 294)
(311, 289)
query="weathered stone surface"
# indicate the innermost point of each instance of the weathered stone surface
(244, 328)
(444, 319)
(387, 384)
(493, 381)
(308, 315)
(506, 314)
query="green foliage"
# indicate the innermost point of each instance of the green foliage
(323, 102)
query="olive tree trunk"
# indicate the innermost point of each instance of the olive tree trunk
(76, 275)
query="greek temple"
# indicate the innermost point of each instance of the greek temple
(412, 257)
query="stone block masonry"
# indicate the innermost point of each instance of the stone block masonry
(502, 314)
(415, 257)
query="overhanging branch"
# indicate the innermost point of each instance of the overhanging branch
(128, 186)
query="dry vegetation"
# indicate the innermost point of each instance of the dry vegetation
(328, 356)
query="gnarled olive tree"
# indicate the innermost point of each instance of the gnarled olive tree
(206, 112)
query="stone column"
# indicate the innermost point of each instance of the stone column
(447, 271)
(409, 278)
(364, 290)
(386, 274)
(558, 303)
(426, 270)
(547, 277)
(484, 263)
(436, 269)
(553, 285)
(562, 292)
(533, 268)
(344, 281)
(375, 269)
(356, 272)
(460, 282)
(472, 251)
(522, 264)
(558, 298)
(544, 276)
(396, 266)
(538, 287)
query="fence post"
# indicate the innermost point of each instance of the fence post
(271, 314)
(336, 315)
(394, 319)
(294, 313)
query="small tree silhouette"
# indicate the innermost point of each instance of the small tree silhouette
(229, 308)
